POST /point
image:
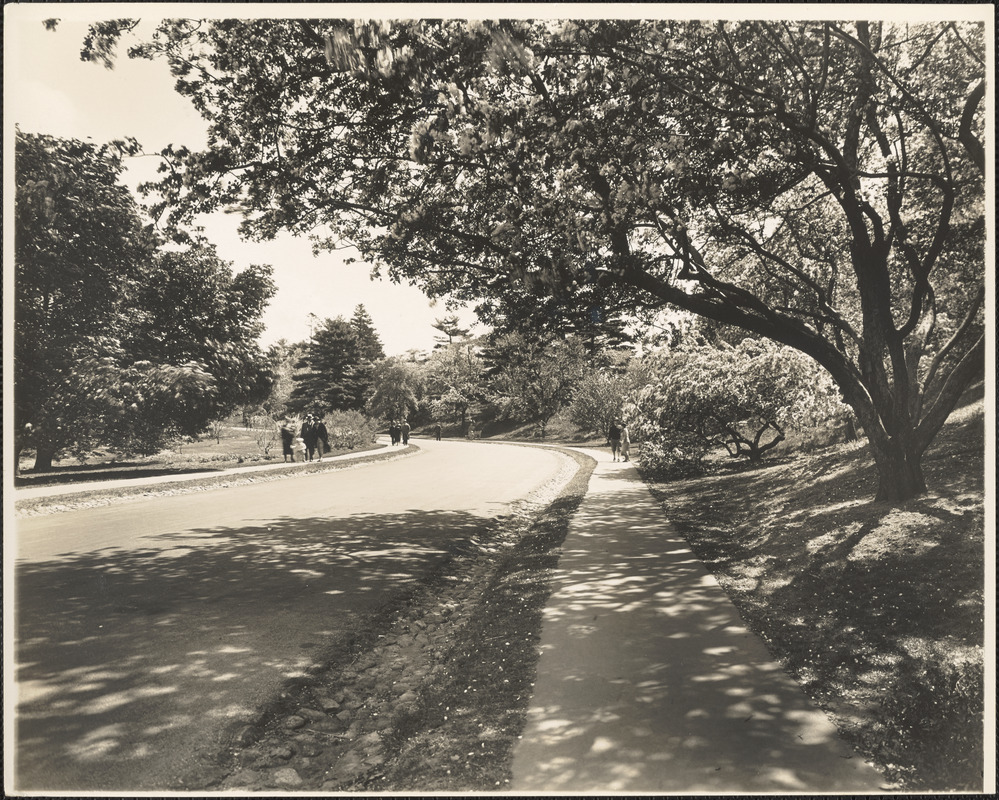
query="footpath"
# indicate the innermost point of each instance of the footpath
(648, 680)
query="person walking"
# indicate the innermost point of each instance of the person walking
(614, 436)
(309, 435)
(404, 429)
(625, 442)
(394, 433)
(437, 432)
(287, 439)
(322, 437)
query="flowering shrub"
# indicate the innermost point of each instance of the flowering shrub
(349, 430)
(743, 398)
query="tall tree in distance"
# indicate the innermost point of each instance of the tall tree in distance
(369, 344)
(327, 377)
(450, 329)
(396, 389)
(817, 183)
(535, 379)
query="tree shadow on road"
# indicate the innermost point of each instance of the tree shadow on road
(124, 654)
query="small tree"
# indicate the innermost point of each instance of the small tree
(450, 329)
(397, 386)
(536, 379)
(215, 429)
(265, 433)
(455, 382)
(600, 396)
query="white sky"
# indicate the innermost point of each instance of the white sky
(49, 90)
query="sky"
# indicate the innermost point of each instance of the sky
(49, 90)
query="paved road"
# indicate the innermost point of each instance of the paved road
(147, 632)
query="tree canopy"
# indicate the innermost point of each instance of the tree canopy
(118, 342)
(818, 183)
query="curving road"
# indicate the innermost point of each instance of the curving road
(146, 632)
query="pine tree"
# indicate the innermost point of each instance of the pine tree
(327, 378)
(369, 344)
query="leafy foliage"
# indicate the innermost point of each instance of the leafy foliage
(455, 382)
(601, 395)
(816, 183)
(397, 389)
(349, 430)
(119, 343)
(535, 378)
(742, 397)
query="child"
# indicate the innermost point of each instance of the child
(298, 448)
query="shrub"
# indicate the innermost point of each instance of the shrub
(265, 433)
(349, 430)
(660, 461)
(743, 398)
(937, 705)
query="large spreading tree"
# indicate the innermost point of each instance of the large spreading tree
(817, 183)
(118, 342)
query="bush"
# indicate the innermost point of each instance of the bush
(662, 462)
(349, 430)
(265, 433)
(937, 706)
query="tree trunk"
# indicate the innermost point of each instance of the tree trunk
(900, 475)
(43, 459)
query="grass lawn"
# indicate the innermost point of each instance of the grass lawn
(236, 447)
(877, 611)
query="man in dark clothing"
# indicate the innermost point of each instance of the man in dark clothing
(404, 428)
(394, 432)
(322, 437)
(437, 432)
(614, 435)
(310, 436)
(287, 437)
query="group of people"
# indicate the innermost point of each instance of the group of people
(399, 432)
(620, 440)
(305, 444)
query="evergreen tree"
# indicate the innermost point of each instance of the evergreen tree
(369, 344)
(451, 330)
(327, 378)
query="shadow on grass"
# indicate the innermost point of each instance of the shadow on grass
(861, 600)
(128, 662)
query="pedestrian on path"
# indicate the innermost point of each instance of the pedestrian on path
(614, 436)
(625, 441)
(310, 435)
(437, 432)
(322, 438)
(287, 439)
(404, 428)
(299, 449)
(394, 432)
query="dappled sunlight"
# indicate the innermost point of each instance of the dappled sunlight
(124, 655)
(649, 680)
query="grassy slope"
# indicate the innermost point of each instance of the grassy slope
(877, 611)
